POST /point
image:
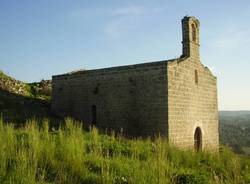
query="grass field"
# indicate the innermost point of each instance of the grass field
(247, 150)
(36, 154)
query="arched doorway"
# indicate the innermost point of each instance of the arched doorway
(198, 139)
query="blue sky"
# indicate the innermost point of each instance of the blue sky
(42, 38)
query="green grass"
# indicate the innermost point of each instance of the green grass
(35, 154)
(246, 150)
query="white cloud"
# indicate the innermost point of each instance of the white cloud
(114, 29)
(129, 11)
(87, 13)
(119, 21)
(126, 19)
(123, 20)
(231, 40)
(132, 10)
(120, 26)
(122, 11)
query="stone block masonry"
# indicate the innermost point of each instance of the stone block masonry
(176, 99)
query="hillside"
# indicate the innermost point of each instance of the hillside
(20, 101)
(12, 85)
(235, 130)
(40, 90)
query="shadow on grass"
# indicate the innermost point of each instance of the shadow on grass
(17, 109)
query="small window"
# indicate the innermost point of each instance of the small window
(94, 115)
(193, 33)
(132, 81)
(96, 89)
(196, 77)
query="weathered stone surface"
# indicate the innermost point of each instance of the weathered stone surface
(171, 98)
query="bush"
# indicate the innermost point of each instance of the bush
(192, 178)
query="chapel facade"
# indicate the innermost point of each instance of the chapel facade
(176, 98)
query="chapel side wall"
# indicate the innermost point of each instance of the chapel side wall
(192, 105)
(132, 99)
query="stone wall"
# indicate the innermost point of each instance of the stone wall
(132, 99)
(192, 95)
(192, 104)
